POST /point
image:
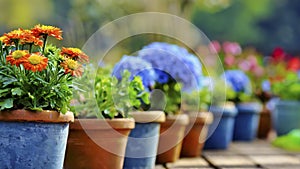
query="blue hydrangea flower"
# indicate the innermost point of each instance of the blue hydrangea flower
(266, 86)
(137, 67)
(238, 80)
(170, 60)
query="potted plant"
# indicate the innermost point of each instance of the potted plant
(178, 72)
(142, 143)
(286, 114)
(36, 90)
(220, 132)
(243, 72)
(246, 122)
(196, 106)
(101, 143)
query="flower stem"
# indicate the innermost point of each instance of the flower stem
(30, 47)
(45, 41)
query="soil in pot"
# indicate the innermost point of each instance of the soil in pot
(97, 143)
(171, 135)
(195, 134)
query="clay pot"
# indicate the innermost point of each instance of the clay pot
(171, 135)
(265, 123)
(195, 133)
(142, 143)
(97, 143)
(33, 139)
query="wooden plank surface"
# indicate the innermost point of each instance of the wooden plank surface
(259, 154)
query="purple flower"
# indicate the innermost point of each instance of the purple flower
(137, 67)
(173, 62)
(238, 80)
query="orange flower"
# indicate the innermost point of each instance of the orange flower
(35, 62)
(16, 57)
(40, 30)
(73, 67)
(28, 37)
(12, 35)
(75, 53)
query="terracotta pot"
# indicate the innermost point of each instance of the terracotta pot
(33, 139)
(195, 133)
(171, 136)
(97, 143)
(142, 143)
(265, 123)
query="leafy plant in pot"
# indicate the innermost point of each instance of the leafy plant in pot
(36, 83)
(286, 114)
(196, 106)
(142, 143)
(220, 132)
(101, 143)
(246, 122)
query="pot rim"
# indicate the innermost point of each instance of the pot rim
(148, 116)
(179, 119)
(200, 117)
(45, 116)
(103, 124)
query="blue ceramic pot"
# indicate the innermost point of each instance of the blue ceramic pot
(246, 121)
(143, 140)
(286, 116)
(221, 130)
(29, 145)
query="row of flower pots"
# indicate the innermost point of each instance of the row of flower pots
(32, 139)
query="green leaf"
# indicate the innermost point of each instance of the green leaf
(16, 91)
(6, 104)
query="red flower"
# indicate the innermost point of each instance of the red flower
(293, 64)
(278, 54)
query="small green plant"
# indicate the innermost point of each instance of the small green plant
(288, 88)
(197, 100)
(116, 98)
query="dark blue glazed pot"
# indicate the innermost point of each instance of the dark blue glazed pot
(143, 140)
(27, 144)
(286, 116)
(221, 130)
(246, 121)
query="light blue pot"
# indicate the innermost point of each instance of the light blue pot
(246, 121)
(221, 130)
(33, 140)
(27, 145)
(143, 140)
(286, 116)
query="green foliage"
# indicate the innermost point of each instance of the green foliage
(287, 89)
(197, 100)
(172, 91)
(49, 89)
(116, 98)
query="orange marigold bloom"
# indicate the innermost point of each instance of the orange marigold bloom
(40, 30)
(73, 67)
(15, 34)
(75, 53)
(35, 62)
(28, 37)
(16, 57)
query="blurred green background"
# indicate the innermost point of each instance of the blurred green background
(264, 24)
